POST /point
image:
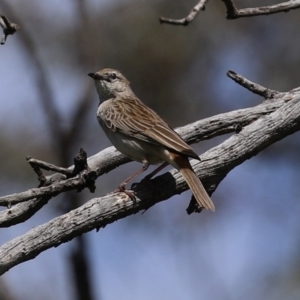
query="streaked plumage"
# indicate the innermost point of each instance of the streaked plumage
(138, 132)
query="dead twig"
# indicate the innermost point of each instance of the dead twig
(8, 28)
(252, 86)
(188, 19)
(234, 13)
(36, 163)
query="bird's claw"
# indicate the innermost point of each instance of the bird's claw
(121, 189)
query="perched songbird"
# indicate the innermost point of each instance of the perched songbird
(139, 133)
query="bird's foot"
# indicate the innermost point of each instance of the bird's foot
(121, 189)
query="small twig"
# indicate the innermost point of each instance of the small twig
(52, 190)
(234, 13)
(8, 28)
(187, 20)
(41, 177)
(80, 164)
(86, 180)
(252, 86)
(49, 167)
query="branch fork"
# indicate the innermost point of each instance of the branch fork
(233, 12)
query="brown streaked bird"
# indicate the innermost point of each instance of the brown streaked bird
(139, 133)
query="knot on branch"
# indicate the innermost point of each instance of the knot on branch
(80, 169)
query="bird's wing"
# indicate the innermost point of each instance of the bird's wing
(132, 117)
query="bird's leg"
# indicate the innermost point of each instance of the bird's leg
(121, 187)
(154, 172)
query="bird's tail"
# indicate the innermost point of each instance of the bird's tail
(194, 183)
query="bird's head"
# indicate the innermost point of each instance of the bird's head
(110, 83)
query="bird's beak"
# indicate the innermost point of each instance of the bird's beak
(95, 76)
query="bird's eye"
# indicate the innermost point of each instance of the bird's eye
(113, 75)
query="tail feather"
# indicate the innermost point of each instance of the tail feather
(197, 188)
(194, 183)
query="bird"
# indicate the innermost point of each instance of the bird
(141, 134)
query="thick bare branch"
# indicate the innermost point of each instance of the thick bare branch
(110, 158)
(234, 13)
(98, 212)
(21, 212)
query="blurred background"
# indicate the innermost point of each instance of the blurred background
(249, 248)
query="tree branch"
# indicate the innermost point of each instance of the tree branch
(234, 13)
(252, 86)
(188, 19)
(8, 28)
(110, 158)
(99, 212)
(49, 167)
